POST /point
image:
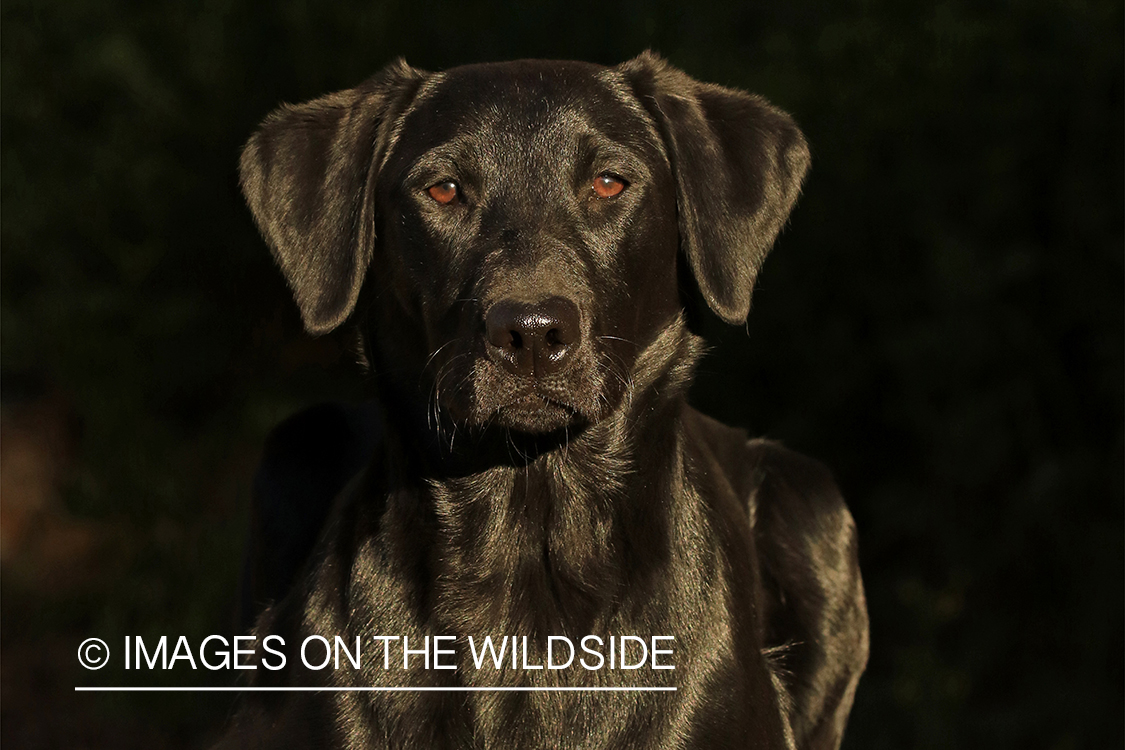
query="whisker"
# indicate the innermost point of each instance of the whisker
(616, 338)
(438, 351)
(433, 415)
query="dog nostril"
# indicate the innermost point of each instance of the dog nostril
(533, 338)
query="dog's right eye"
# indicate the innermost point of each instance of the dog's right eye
(443, 192)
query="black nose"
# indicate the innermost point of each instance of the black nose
(533, 338)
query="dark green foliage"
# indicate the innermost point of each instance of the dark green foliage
(942, 322)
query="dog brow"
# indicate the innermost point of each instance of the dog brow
(617, 86)
(426, 90)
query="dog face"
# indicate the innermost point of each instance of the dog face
(510, 232)
(531, 216)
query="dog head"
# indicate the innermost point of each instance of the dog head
(507, 235)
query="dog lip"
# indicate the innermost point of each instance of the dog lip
(535, 401)
(537, 413)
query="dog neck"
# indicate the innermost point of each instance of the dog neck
(568, 522)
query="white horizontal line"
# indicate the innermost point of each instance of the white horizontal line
(371, 689)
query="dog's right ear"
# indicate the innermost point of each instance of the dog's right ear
(308, 175)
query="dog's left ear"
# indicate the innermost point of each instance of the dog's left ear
(738, 163)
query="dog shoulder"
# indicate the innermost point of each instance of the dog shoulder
(807, 544)
(307, 462)
(806, 550)
(724, 446)
(805, 535)
(799, 489)
(790, 498)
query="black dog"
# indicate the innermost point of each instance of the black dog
(516, 243)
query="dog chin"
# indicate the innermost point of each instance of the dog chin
(536, 415)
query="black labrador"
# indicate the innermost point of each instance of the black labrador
(516, 244)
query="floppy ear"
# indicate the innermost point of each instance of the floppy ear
(738, 164)
(308, 176)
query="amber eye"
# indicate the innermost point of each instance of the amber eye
(607, 185)
(443, 192)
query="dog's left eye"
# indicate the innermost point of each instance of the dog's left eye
(608, 185)
(444, 192)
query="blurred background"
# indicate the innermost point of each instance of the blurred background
(942, 323)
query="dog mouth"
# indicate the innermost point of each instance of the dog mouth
(485, 395)
(536, 413)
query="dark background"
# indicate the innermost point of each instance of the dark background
(942, 322)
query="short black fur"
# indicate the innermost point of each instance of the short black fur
(535, 469)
